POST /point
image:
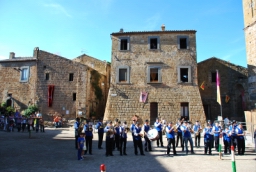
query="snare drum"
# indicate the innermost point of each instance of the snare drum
(152, 134)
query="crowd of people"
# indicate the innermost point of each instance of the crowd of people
(22, 123)
(181, 132)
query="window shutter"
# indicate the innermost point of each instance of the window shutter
(149, 43)
(128, 43)
(178, 42)
(158, 42)
(148, 75)
(117, 75)
(187, 42)
(159, 75)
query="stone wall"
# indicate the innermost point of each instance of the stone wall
(123, 99)
(249, 9)
(233, 81)
(59, 70)
(23, 93)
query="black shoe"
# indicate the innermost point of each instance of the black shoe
(121, 154)
(125, 154)
(111, 155)
(146, 150)
(192, 152)
(157, 145)
(162, 145)
(90, 153)
(175, 154)
(186, 153)
(142, 154)
(136, 153)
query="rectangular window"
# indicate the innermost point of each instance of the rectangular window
(71, 77)
(122, 75)
(213, 76)
(154, 73)
(47, 76)
(74, 96)
(184, 111)
(183, 42)
(124, 43)
(184, 74)
(153, 42)
(24, 74)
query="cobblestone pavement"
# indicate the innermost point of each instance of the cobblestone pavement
(54, 150)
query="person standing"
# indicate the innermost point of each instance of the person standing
(23, 123)
(186, 129)
(207, 139)
(197, 130)
(137, 139)
(80, 146)
(89, 137)
(227, 141)
(132, 129)
(240, 139)
(170, 139)
(232, 129)
(100, 128)
(123, 138)
(212, 136)
(179, 134)
(117, 135)
(109, 130)
(158, 127)
(147, 144)
(216, 129)
(76, 127)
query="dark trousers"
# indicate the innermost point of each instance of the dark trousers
(42, 128)
(240, 146)
(138, 143)
(79, 153)
(208, 145)
(212, 141)
(88, 144)
(117, 138)
(109, 146)
(233, 141)
(18, 125)
(227, 147)
(179, 137)
(160, 134)
(147, 144)
(171, 143)
(122, 145)
(197, 140)
(217, 141)
(76, 137)
(100, 136)
(23, 127)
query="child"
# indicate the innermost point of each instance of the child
(80, 146)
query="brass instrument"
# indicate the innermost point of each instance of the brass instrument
(175, 128)
(142, 134)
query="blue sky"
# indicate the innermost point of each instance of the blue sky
(71, 28)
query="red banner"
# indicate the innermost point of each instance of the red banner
(50, 95)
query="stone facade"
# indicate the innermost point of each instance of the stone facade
(233, 84)
(154, 62)
(249, 8)
(72, 81)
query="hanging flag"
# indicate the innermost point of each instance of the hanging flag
(143, 96)
(218, 87)
(202, 86)
(50, 95)
(227, 98)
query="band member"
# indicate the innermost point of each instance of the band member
(232, 129)
(212, 136)
(179, 134)
(109, 130)
(158, 126)
(76, 127)
(216, 129)
(207, 139)
(89, 136)
(240, 139)
(123, 138)
(197, 128)
(117, 135)
(170, 139)
(132, 129)
(146, 128)
(137, 139)
(227, 141)
(100, 128)
(186, 130)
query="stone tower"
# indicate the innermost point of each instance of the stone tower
(249, 8)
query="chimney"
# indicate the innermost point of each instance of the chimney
(35, 53)
(163, 27)
(121, 30)
(12, 55)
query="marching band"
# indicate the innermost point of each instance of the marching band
(116, 136)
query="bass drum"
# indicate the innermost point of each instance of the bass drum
(152, 134)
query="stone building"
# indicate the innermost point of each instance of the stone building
(58, 86)
(249, 8)
(233, 89)
(154, 74)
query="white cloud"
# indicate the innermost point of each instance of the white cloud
(58, 9)
(152, 22)
(3, 57)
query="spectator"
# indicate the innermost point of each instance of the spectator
(41, 122)
(56, 121)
